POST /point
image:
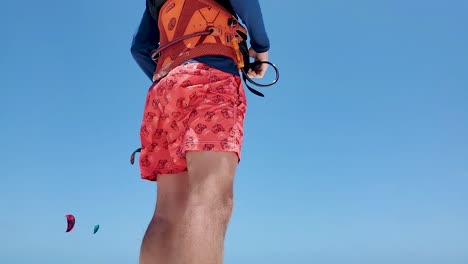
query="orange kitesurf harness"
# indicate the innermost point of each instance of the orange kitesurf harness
(194, 28)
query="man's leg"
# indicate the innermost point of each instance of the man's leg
(160, 237)
(209, 207)
(192, 212)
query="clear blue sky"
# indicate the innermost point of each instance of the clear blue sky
(358, 155)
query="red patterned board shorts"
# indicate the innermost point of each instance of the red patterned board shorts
(194, 108)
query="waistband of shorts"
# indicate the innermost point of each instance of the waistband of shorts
(196, 65)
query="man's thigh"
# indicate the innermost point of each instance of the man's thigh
(209, 178)
(172, 193)
(211, 173)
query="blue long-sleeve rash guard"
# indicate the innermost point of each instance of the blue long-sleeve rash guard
(146, 38)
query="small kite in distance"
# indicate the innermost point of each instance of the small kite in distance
(70, 222)
(96, 228)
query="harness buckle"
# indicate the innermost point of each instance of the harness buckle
(240, 58)
(215, 31)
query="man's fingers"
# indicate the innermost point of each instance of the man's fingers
(263, 69)
(252, 74)
(259, 72)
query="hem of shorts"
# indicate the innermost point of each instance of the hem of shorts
(193, 148)
(201, 143)
(155, 178)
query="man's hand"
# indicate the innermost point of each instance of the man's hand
(262, 68)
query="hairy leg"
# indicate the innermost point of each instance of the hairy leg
(209, 206)
(160, 240)
(192, 212)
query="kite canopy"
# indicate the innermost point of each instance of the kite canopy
(70, 222)
(96, 228)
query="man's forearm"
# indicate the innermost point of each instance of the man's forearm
(251, 14)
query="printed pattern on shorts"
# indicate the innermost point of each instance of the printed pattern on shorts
(195, 107)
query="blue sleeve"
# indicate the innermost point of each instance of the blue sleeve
(251, 15)
(144, 42)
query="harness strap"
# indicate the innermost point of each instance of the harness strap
(132, 157)
(155, 53)
(244, 77)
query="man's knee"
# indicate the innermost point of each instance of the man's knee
(211, 199)
(210, 181)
